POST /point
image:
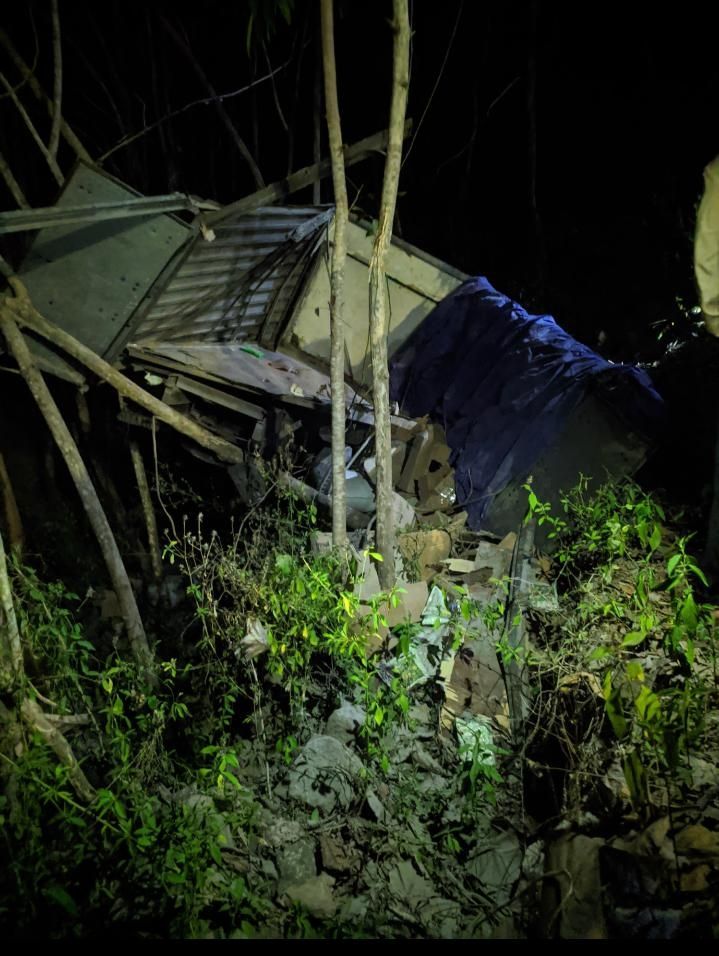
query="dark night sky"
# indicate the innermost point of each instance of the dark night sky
(617, 103)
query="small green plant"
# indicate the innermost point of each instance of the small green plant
(616, 535)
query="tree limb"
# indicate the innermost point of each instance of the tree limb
(222, 112)
(8, 620)
(51, 161)
(57, 81)
(37, 720)
(85, 488)
(337, 278)
(12, 184)
(23, 311)
(378, 295)
(12, 513)
(153, 537)
(40, 95)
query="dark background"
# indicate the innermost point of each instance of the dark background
(558, 148)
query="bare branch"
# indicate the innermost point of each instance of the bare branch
(86, 490)
(10, 646)
(205, 101)
(38, 721)
(39, 94)
(57, 81)
(337, 277)
(51, 161)
(12, 184)
(223, 114)
(378, 296)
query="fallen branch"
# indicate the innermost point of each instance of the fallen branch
(12, 512)
(38, 721)
(10, 646)
(12, 184)
(57, 81)
(91, 503)
(303, 177)
(25, 314)
(153, 537)
(51, 161)
(222, 112)
(205, 101)
(68, 720)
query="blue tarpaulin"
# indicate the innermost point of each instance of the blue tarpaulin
(503, 383)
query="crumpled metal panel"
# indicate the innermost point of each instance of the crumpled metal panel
(90, 278)
(239, 286)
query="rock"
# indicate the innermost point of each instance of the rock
(296, 863)
(574, 895)
(423, 758)
(201, 805)
(316, 895)
(495, 558)
(344, 722)
(696, 840)
(324, 774)
(367, 584)
(704, 773)
(321, 542)
(282, 830)
(695, 881)
(337, 855)
(355, 909)
(376, 806)
(402, 512)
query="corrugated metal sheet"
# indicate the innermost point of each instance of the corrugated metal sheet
(242, 285)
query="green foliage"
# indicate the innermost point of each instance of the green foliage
(131, 858)
(637, 585)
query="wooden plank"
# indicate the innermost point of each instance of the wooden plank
(218, 397)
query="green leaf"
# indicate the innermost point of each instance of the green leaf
(633, 638)
(60, 896)
(635, 671)
(227, 775)
(284, 563)
(672, 563)
(378, 715)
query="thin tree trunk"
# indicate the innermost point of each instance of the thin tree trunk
(12, 512)
(91, 503)
(317, 117)
(24, 313)
(222, 112)
(153, 537)
(10, 645)
(12, 184)
(39, 94)
(52, 163)
(378, 318)
(301, 44)
(337, 279)
(57, 81)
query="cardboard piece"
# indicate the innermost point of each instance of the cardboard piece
(424, 549)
